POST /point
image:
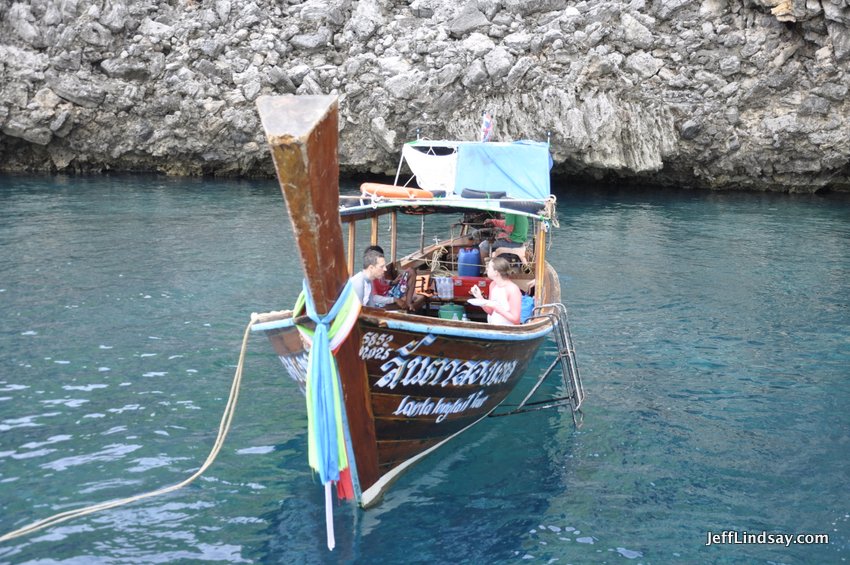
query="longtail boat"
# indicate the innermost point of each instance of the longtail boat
(400, 384)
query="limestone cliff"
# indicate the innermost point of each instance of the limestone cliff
(718, 94)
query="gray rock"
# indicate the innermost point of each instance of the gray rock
(690, 129)
(21, 21)
(312, 41)
(277, 77)
(96, 34)
(528, 7)
(79, 92)
(667, 8)
(52, 16)
(643, 64)
(156, 63)
(298, 72)
(61, 155)
(786, 123)
(498, 62)
(28, 131)
(212, 48)
(70, 9)
(385, 137)
(478, 44)
(422, 9)
(222, 9)
(832, 91)
(404, 86)
(475, 75)
(250, 75)
(489, 8)
(573, 129)
(601, 63)
(310, 86)
(840, 37)
(730, 66)
(127, 69)
(155, 30)
(251, 89)
(115, 18)
(23, 59)
(46, 98)
(519, 70)
(365, 19)
(324, 12)
(713, 8)
(470, 19)
(517, 42)
(249, 16)
(636, 33)
(61, 125)
(394, 65)
(447, 75)
(814, 105)
(67, 61)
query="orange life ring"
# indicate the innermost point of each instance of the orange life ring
(393, 191)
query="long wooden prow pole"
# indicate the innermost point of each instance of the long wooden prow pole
(302, 133)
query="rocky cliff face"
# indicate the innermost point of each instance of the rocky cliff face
(718, 94)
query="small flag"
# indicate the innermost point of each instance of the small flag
(487, 123)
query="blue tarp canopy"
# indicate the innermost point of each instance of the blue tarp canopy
(520, 169)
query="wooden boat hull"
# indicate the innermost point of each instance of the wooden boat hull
(428, 380)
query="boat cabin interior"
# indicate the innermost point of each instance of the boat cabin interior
(443, 251)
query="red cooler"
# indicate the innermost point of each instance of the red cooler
(464, 284)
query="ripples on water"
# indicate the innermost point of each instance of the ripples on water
(712, 332)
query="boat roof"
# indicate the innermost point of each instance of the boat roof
(357, 207)
(517, 169)
(462, 176)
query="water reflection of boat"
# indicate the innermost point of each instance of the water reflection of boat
(412, 381)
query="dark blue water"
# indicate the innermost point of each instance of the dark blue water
(713, 334)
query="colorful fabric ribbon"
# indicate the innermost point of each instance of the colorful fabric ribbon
(326, 441)
(326, 450)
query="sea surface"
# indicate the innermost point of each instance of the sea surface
(712, 331)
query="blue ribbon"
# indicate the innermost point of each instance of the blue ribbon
(322, 372)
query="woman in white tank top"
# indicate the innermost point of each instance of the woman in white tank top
(504, 303)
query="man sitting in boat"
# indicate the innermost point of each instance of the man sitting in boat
(513, 234)
(504, 306)
(401, 292)
(402, 287)
(382, 284)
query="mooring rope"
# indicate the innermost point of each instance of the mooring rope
(223, 428)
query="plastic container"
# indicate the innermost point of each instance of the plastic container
(445, 287)
(526, 308)
(469, 262)
(451, 312)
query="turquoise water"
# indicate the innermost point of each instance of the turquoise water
(713, 334)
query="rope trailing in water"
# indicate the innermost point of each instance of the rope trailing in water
(326, 450)
(223, 428)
